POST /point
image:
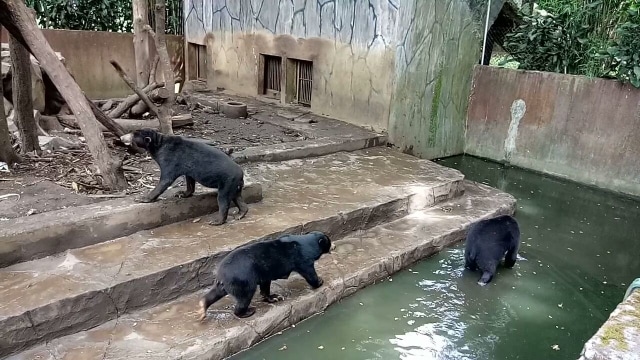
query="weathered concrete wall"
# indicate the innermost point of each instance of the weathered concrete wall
(87, 55)
(438, 47)
(350, 44)
(619, 337)
(574, 127)
(367, 55)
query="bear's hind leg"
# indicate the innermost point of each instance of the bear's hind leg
(224, 201)
(215, 294)
(267, 296)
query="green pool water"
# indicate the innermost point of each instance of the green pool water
(580, 250)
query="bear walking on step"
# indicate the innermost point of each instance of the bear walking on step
(198, 162)
(487, 243)
(249, 266)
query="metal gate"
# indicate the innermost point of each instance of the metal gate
(272, 73)
(304, 77)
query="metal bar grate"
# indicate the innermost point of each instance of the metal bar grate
(272, 73)
(304, 82)
(201, 53)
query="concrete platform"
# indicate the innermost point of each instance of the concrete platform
(58, 295)
(172, 331)
(325, 135)
(619, 337)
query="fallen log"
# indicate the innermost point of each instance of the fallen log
(131, 100)
(140, 107)
(128, 125)
(162, 112)
(105, 120)
(159, 95)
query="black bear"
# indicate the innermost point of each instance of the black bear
(249, 266)
(486, 245)
(198, 162)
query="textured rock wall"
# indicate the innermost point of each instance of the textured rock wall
(367, 55)
(438, 45)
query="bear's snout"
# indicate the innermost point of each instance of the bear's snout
(127, 139)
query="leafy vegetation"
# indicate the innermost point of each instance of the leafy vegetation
(582, 37)
(98, 15)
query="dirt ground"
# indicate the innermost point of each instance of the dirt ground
(68, 178)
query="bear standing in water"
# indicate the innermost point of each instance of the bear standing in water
(249, 266)
(487, 243)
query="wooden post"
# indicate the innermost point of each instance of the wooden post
(165, 63)
(141, 41)
(141, 49)
(14, 15)
(22, 97)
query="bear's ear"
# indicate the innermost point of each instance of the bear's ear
(325, 244)
(147, 140)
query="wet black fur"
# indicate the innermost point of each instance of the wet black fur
(198, 162)
(255, 265)
(486, 245)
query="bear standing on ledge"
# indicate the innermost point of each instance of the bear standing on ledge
(198, 162)
(487, 243)
(257, 264)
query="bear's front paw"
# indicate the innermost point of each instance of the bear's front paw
(143, 200)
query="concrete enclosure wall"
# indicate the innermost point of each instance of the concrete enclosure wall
(87, 55)
(583, 129)
(366, 54)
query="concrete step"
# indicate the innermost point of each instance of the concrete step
(172, 330)
(58, 295)
(34, 237)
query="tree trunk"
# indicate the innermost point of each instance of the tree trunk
(15, 17)
(7, 154)
(141, 47)
(22, 97)
(165, 63)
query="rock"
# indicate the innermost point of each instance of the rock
(37, 84)
(50, 143)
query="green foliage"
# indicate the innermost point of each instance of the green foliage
(622, 56)
(581, 37)
(543, 43)
(98, 15)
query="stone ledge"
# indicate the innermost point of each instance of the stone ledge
(33, 237)
(306, 148)
(172, 331)
(619, 337)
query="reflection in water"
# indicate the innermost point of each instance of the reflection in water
(578, 254)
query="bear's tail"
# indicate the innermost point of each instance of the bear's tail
(240, 187)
